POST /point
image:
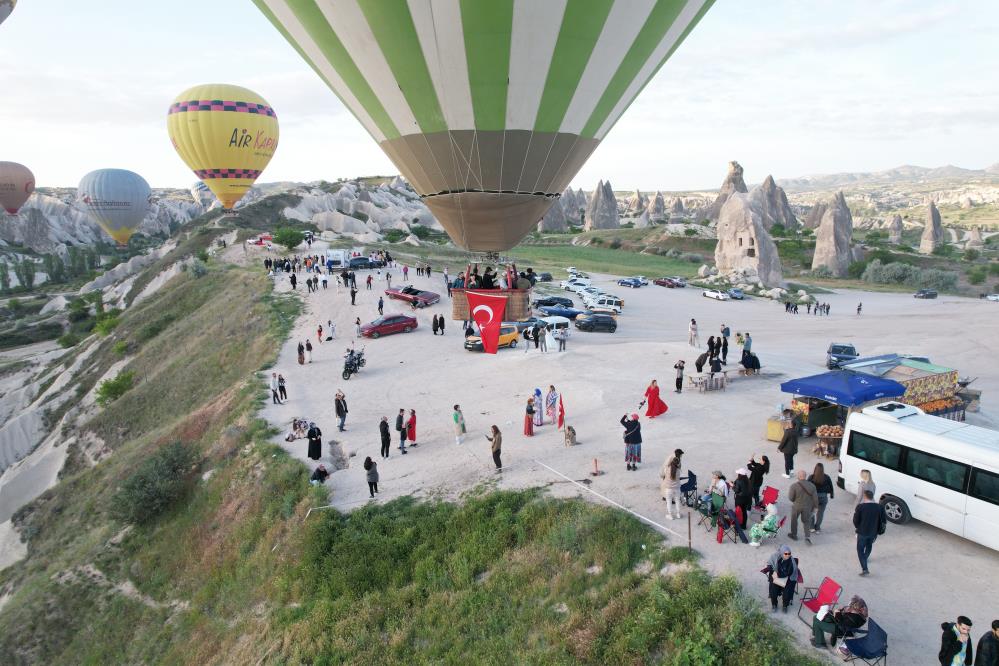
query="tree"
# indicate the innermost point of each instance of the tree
(54, 267)
(4, 276)
(290, 238)
(25, 272)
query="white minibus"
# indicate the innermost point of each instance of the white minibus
(938, 471)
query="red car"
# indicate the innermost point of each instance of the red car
(411, 294)
(667, 282)
(388, 324)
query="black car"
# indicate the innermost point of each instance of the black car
(596, 322)
(362, 263)
(549, 301)
(839, 353)
(544, 277)
(925, 293)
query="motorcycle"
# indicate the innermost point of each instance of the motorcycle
(353, 361)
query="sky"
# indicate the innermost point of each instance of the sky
(785, 87)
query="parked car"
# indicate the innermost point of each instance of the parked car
(665, 282)
(925, 293)
(572, 283)
(508, 337)
(605, 302)
(571, 270)
(561, 311)
(555, 322)
(590, 292)
(361, 263)
(523, 323)
(553, 300)
(544, 277)
(679, 281)
(411, 294)
(716, 294)
(736, 294)
(596, 321)
(992, 297)
(839, 353)
(634, 283)
(388, 324)
(641, 278)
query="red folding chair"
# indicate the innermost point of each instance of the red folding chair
(813, 598)
(770, 495)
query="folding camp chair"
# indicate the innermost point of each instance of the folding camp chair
(688, 489)
(772, 534)
(814, 598)
(709, 511)
(872, 648)
(729, 525)
(770, 495)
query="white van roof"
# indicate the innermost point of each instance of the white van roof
(963, 441)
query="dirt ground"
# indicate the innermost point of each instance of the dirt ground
(920, 577)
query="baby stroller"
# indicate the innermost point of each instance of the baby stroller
(688, 489)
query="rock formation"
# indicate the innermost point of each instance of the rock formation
(733, 183)
(743, 241)
(601, 211)
(773, 205)
(975, 237)
(554, 219)
(642, 221)
(895, 230)
(933, 231)
(677, 206)
(814, 217)
(832, 239)
(657, 208)
(967, 202)
(637, 203)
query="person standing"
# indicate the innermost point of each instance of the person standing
(400, 426)
(440, 324)
(632, 442)
(725, 331)
(275, 399)
(866, 483)
(458, 423)
(411, 428)
(315, 436)
(955, 643)
(496, 438)
(529, 418)
(743, 495)
(434, 324)
(711, 348)
(670, 484)
(824, 489)
(803, 502)
(724, 350)
(381, 306)
(747, 342)
(340, 405)
(308, 351)
(371, 474)
(301, 353)
(782, 572)
(692, 338)
(282, 391)
(678, 366)
(860, 306)
(561, 335)
(551, 403)
(536, 336)
(988, 647)
(869, 520)
(383, 430)
(656, 406)
(294, 281)
(353, 295)
(367, 282)
(539, 408)
(405, 272)
(357, 327)
(789, 444)
(758, 467)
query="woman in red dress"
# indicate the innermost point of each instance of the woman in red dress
(656, 405)
(529, 418)
(411, 428)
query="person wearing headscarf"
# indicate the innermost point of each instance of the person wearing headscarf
(782, 574)
(842, 623)
(632, 442)
(551, 403)
(743, 494)
(529, 418)
(767, 526)
(315, 436)
(539, 410)
(319, 475)
(411, 428)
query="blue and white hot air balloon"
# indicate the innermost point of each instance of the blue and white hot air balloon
(116, 199)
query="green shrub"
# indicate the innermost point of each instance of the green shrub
(155, 486)
(932, 278)
(971, 254)
(112, 389)
(597, 241)
(69, 340)
(106, 323)
(202, 255)
(944, 250)
(120, 348)
(199, 268)
(615, 244)
(288, 237)
(420, 231)
(856, 269)
(778, 230)
(394, 235)
(821, 272)
(994, 268)
(692, 257)
(690, 231)
(977, 275)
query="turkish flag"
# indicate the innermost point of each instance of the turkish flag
(561, 412)
(487, 311)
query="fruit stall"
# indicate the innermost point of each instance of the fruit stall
(828, 398)
(932, 388)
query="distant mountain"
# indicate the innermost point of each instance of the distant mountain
(904, 174)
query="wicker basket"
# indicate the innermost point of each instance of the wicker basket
(518, 304)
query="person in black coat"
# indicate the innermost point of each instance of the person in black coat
(789, 443)
(383, 430)
(743, 494)
(956, 636)
(724, 350)
(701, 360)
(870, 521)
(988, 647)
(632, 441)
(340, 404)
(400, 426)
(319, 475)
(758, 468)
(315, 436)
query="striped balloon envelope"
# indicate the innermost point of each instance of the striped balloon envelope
(16, 185)
(117, 199)
(487, 107)
(226, 135)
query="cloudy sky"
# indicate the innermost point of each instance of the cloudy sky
(785, 87)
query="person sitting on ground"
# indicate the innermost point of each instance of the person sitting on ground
(768, 526)
(839, 624)
(319, 476)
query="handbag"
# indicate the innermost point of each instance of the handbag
(780, 581)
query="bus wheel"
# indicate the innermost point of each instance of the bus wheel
(896, 510)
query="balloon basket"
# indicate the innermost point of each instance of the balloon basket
(518, 304)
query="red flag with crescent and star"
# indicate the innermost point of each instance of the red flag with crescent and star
(487, 310)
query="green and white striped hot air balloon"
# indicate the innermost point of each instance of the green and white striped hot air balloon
(487, 107)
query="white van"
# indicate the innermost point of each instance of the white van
(942, 472)
(340, 258)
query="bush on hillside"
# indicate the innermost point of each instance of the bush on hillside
(288, 237)
(856, 269)
(690, 231)
(900, 273)
(977, 275)
(615, 244)
(932, 278)
(821, 272)
(994, 268)
(199, 268)
(971, 254)
(112, 389)
(155, 486)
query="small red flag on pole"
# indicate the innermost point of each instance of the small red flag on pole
(561, 413)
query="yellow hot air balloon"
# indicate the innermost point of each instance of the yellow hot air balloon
(226, 135)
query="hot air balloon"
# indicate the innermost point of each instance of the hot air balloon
(116, 199)
(226, 135)
(16, 185)
(6, 7)
(487, 108)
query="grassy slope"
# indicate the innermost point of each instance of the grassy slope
(236, 574)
